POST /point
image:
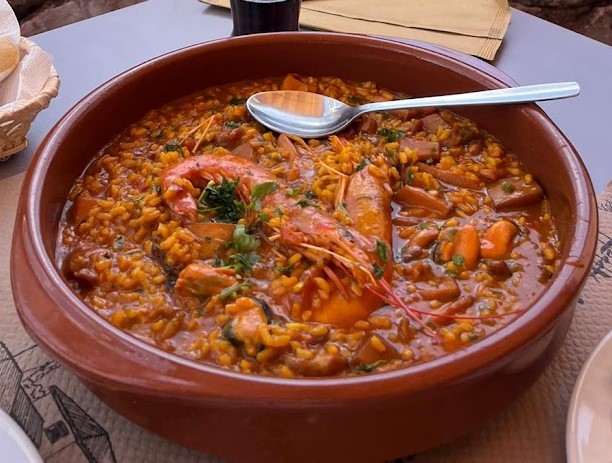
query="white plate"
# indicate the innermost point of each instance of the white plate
(589, 422)
(15, 445)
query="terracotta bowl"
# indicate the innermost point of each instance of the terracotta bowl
(249, 418)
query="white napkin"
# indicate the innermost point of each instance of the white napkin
(33, 69)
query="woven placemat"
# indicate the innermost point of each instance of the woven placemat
(68, 424)
(476, 27)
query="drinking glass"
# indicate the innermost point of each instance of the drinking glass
(257, 16)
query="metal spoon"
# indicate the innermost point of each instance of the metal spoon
(312, 115)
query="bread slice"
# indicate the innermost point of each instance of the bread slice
(9, 58)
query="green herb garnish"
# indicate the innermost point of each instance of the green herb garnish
(409, 178)
(232, 290)
(378, 271)
(304, 203)
(458, 260)
(293, 192)
(368, 367)
(507, 187)
(361, 165)
(234, 101)
(391, 134)
(261, 190)
(172, 145)
(283, 269)
(221, 199)
(232, 124)
(242, 263)
(382, 250)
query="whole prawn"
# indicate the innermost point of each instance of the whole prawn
(308, 229)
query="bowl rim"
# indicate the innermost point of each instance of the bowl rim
(470, 360)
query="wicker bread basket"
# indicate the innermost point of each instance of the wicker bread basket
(14, 124)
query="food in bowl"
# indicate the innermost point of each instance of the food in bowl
(407, 236)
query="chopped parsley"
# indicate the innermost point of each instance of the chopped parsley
(244, 244)
(242, 263)
(409, 177)
(283, 269)
(156, 189)
(232, 290)
(507, 187)
(261, 190)
(293, 192)
(172, 145)
(382, 250)
(304, 203)
(232, 124)
(235, 101)
(310, 194)
(391, 134)
(222, 200)
(368, 367)
(361, 165)
(378, 271)
(458, 260)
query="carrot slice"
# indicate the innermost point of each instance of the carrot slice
(467, 245)
(448, 177)
(497, 239)
(417, 197)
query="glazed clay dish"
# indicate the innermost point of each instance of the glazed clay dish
(368, 411)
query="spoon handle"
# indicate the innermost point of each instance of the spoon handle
(523, 94)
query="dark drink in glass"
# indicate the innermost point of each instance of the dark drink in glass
(255, 16)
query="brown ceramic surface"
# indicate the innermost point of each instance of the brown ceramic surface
(247, 418)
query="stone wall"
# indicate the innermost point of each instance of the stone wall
(592, 18)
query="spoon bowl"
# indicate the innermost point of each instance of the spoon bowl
(312, 115)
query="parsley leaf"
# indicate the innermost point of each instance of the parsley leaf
(172, 145)
(378, 271)
(458, 260)
(409, 178)
(361, 165)
(242, 263)
(232, 124)
(507, 187)
(230, 291)
(234, 101)
(382, 250)
(310, 194)
(304, 203)
(261, 190)
(221, 199)
(283, 269)
(391, 134)
(368, 367)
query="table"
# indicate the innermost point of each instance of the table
(90, 52)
